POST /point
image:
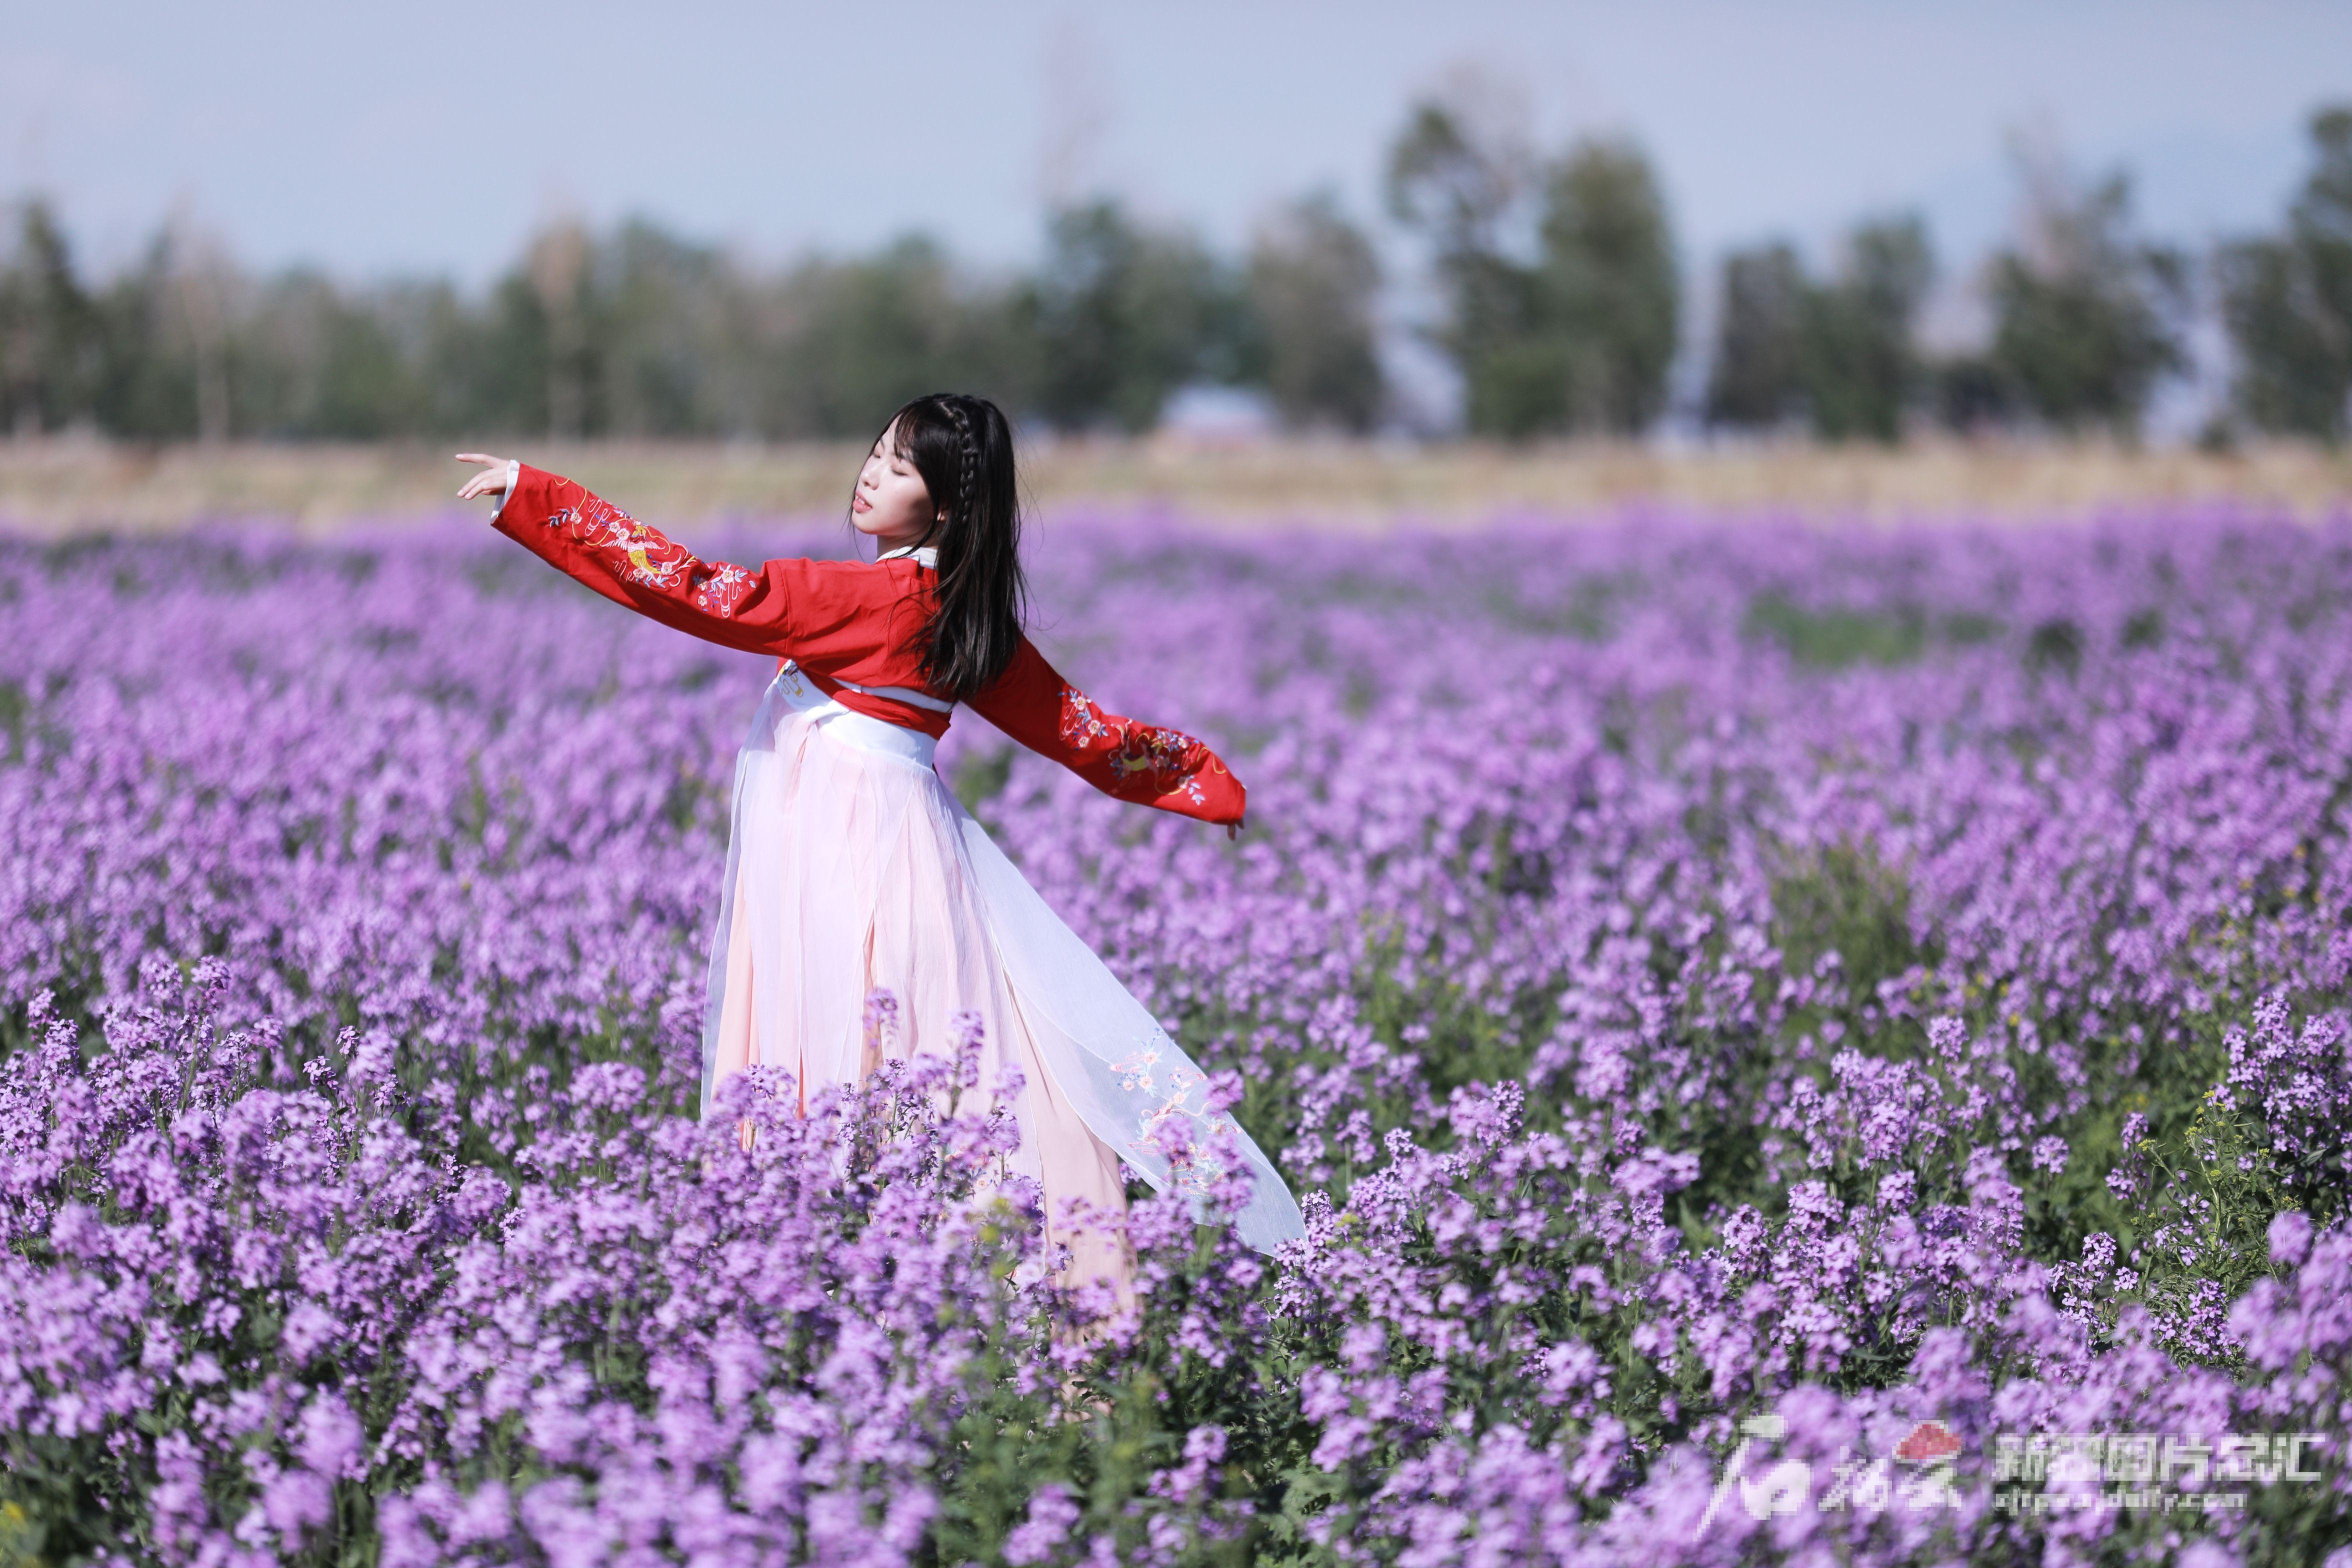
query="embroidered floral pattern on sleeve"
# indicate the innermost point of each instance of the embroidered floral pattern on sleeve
(720, 589)
(1081, 724)
(1167, 761)
(636, 553)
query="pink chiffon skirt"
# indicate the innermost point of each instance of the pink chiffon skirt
(851, 868)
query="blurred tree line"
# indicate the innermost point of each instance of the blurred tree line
(638, 332)
(2088, 319)
(1559, 302)
(2288, 299)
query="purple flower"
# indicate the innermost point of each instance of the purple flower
(1052, 1513)
(1673, 1031)
(2290, 1238)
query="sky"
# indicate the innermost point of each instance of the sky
(428, 137)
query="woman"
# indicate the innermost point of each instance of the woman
(852, 868)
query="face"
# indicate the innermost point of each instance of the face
(892, 503)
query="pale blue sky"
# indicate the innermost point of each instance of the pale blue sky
(430, 136)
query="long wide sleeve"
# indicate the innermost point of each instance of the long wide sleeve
(586, 537)
(1130, 761)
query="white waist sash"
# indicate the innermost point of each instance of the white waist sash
(794, 691)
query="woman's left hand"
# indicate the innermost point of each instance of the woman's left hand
(492, 480)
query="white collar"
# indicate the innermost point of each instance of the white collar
(924, 555)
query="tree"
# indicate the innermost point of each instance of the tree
(47, 328)
(2287, 300)
(1313, 281)
(1455, 174)
(1856, 359)
(314, 362)
(1970, 393)
(1456, 177)
(145, 390)
(1121, 316)
(668, 334)
(1754, 378)
(859, 338)
(2082, 307)
(1611, 293)
(1577, 331)
(557, 270)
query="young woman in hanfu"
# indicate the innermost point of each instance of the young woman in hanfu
(852, 868)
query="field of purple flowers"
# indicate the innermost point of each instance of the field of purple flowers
(1773, 1029)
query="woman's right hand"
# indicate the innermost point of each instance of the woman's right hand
(495, 478)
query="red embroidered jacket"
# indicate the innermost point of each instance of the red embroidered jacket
(860, 622)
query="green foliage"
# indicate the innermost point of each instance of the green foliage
(1114, 1421)
(1968, 392)
(1612, 294)
(1580, 334)
(1559, 278)
(1856, 361)
(2287, 300)
(634, 332)
(1122, 316)
(876, 332)
(1841, 351)
(1313, 282)
(315, 362)
(2083, 311)
(2055, 645)
(2213, 1192)
(48, 329)
(1837, 637)
(22, 1537)
(1754, 379)
(981, 776)
(1842, 899)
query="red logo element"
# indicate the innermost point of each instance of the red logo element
(1928, 1441)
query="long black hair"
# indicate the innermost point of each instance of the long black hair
(962, 447)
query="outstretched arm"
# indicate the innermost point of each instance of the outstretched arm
(1140, 763)
(631, 563)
